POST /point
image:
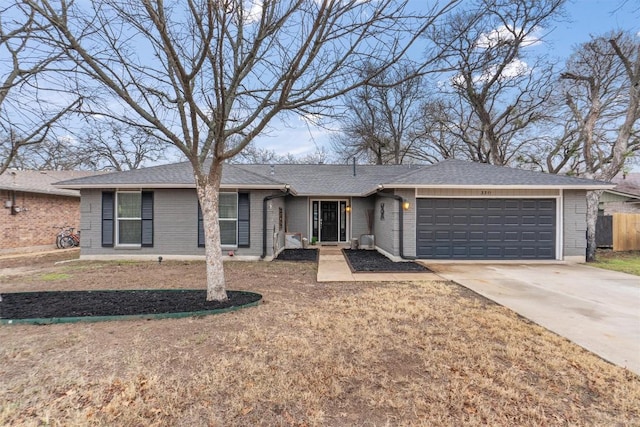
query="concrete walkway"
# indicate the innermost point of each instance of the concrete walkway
(333, 267)
(594, 308)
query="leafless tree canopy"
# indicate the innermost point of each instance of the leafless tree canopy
(494, 98)
(380, 124)
(600, 87)
(30, 100)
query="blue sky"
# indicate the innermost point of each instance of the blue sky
(584, 18)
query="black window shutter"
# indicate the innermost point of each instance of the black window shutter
(107, 218)
(243, 220)
(200, 228)
(147, 219)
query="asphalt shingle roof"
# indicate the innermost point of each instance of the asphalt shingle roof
(337, 180)
(461, 173)
(330, 180)
(175, 174)
(628, 184)
(41, 182)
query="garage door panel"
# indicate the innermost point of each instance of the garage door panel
(511, 220)
(460, 236)
(546, 220)
(476, 220)
(494, 220)
(547, 205)
(493, 236)
(512, 236)
(476, 236)
(488, 228)
(443, 219)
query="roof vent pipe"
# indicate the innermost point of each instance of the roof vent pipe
(354, 165)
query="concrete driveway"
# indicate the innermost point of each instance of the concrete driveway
(596, 309)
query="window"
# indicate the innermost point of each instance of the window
(233, 218)
(228, 215)
(127, 218)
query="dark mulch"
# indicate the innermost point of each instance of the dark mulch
(298, 255)
(373, 261)
(35, 305)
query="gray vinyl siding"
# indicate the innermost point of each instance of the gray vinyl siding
(409, 219)
(574, 223)
(385, 228)
(359, 207)
(298, 215)
(175, 224)
(615, 203)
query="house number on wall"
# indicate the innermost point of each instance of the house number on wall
(485, 192)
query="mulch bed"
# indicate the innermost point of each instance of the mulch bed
(361, 261)
(298, 255)
(37, 305)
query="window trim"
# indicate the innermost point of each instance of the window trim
(236, 220)
(117, 220)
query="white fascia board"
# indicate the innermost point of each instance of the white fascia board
(618, 193)
(507, 187)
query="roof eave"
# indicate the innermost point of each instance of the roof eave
(623, 194)
(504, 187)
(171, 186)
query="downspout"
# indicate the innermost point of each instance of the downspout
(401, 219)
(264, 217)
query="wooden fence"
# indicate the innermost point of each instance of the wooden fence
(626, 232)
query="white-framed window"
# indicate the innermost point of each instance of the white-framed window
(233, 218)
(129, 218)
(228, 216)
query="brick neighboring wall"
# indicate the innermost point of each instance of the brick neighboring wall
(34, 225)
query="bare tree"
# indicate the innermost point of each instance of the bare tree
(601, 91)
(100, 146)
(252, 154)
(381, 118)
(496, 92)
(115, 146)
(217, 72)
(30, 101)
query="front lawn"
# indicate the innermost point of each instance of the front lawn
(338, 354)
(626, 262)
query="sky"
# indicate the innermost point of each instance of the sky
(584, 18)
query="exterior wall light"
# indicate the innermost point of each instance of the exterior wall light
(348, 208)
(405, 206)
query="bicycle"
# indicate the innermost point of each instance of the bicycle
(66, 238)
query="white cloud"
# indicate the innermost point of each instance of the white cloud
(253, 10)
(504, 34)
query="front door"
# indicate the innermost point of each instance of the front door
(328, 221)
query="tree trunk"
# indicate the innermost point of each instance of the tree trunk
(208, 196)
(593, 200)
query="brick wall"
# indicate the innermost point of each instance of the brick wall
(33, 226)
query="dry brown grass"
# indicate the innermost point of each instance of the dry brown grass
(311, 354)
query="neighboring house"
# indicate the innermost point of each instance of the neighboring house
(32, 208)
(450, 210)
(624, 197)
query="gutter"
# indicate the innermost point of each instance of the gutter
(285, 193)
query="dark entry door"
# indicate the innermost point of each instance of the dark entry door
(329, 221)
